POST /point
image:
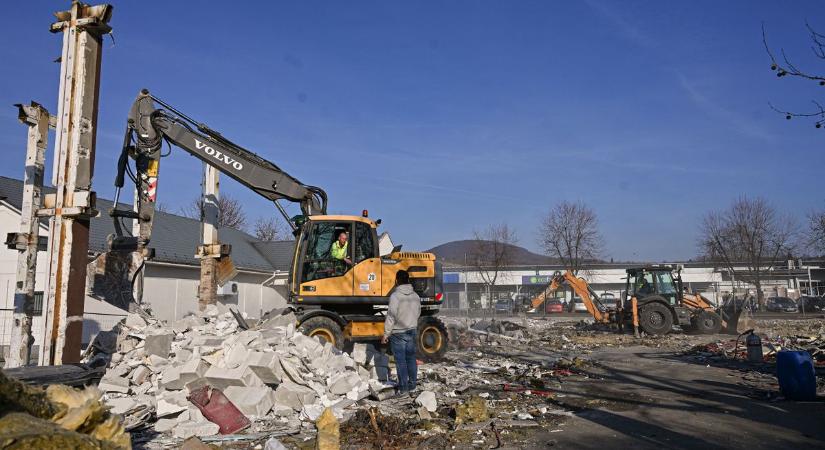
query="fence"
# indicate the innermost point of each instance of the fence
(479, 303)
(6, 328)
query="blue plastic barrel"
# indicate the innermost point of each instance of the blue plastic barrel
(797, 377)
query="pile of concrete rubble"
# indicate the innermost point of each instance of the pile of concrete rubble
(269, 371)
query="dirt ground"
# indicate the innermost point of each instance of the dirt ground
(567, 383)
(593, 388)
(641, 397)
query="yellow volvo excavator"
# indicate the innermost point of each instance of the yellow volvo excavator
(654, 301)
(335, 300)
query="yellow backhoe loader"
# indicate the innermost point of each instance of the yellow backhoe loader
(654, 301)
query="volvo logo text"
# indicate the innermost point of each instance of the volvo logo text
(224, 158)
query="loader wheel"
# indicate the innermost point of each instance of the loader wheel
(324, 328)
(432, 339)
(707, 322)
(655, 318)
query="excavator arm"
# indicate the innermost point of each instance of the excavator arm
(581, 288)
(148, 126)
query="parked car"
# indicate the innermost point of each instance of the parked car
(809, 303)
(504, 305)
(577, 305)
(608, 301)
(553, 305)
(521, 302)
(781, 304)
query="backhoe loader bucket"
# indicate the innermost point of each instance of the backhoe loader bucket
(731, 318)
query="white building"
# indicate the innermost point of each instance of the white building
(465, 287)
(171, 278)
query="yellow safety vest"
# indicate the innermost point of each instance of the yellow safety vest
(337, 251)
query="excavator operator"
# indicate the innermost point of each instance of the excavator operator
(339, 251)
(644, 288)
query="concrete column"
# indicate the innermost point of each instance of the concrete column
(26, 241)
(207, 290)
(73, 203)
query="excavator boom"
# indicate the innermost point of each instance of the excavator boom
(148, 126)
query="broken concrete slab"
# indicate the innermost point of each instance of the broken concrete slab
(157, 361)
(114, 384)
(163, 425)
(177, 377)
(359, 353)
(312, 412)
(255, 401)
(235, 355)
(263, 364)
(135, 322)
(140, 374)
(279, 321)
(122, 404)
(190, 428)
(171, 402)
(307, 344)
(381, 363)
(343, 382)
(221, 378)
(294, 395)
(159, 344)
(291, 370)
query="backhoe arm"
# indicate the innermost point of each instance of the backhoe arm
(148, 126)
(581, 288)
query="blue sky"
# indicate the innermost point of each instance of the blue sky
(444, 117)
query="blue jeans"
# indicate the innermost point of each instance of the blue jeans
(403, 348)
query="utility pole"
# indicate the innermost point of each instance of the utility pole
(72, 206)
(27, 240)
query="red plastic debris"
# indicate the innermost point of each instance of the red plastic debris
(518, 388)
(219, 410)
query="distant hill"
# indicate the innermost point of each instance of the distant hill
(453, 252)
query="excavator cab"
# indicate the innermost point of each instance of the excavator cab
(646, 281)
(318, 276)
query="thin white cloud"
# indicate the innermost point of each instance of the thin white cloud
(628, 29)
(740, 124)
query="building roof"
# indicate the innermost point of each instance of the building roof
(175, 237)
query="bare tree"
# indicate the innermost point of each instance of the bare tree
(785, 68)
(816, 231)
(491, 252)
(749, 233)
(230, 212)
(271, 229)
(570, 232)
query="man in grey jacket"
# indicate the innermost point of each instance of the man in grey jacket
(400, 330)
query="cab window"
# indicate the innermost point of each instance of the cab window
(665, 285)
(364, 242)
(318, 260)
(643, 284)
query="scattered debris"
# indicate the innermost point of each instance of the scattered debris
(58, 416)
(205, 374)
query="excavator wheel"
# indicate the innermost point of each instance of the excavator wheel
(707, 322)
(655, 318)
(324, 328)
(432, 339)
